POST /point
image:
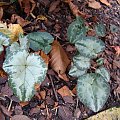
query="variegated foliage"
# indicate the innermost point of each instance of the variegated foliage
(92, 88)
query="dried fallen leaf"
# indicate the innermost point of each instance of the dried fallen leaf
(54, 5)
(43, 94)
(23, 103)
(75, 10)
(117, 49)
(12, 30)
(1, 13)
(118, 1)
(19, 20)
(15, 29)
(58, 58)
(28, 5)
(20, 117)
(64, 91)
(44, 56)
(94, 4)
(105, 2)
(41, 17)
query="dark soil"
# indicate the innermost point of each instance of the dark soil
(53, 106)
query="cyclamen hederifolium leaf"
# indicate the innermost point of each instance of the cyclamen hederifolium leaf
(75, 29)
(4, 41)
(100, 30)
(93, 91)
(40, 41)
(103, 71)
(90, 46)
(15, 46)
(75, 72)
(24, 71)
(81, 62)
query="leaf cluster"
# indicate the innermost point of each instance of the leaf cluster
(92, 88)
(25, 68)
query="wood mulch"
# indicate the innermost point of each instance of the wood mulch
(51, 105)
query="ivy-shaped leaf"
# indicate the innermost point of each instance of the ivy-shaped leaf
(103, 72)
(4, 41)
(114, 28)
(75, 29)
(75, 72)
(89, 46)
(100, 30)
(81, 62)
(24, 71)
(15, 46)
(40, 41)
(93, 91)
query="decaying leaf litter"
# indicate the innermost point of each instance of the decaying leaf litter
(54, 105)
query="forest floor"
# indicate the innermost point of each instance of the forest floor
(53, 106)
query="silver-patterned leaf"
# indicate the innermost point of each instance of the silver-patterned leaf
(93, 91)
(100, 30)
(81, 62)
(15, 46)
(75, 72)
(104, 72)
(90, 46)
(24, 71)
(4, 41)
(40, 41)
(76, 29)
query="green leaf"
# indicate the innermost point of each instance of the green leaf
(100, 61)
(103, 72)
(40, 41)
(75, 72)
(100, 30)
(15, 46)
(81, 62)
(24, 71)
(76, 29)
(90, 46)
(114, 28)
(4, 41)
(93, 91)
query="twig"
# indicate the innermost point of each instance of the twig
(10, 105)
(49, 76)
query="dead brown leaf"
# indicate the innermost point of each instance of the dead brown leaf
(118, 1)
(43, 94)
(20, 117)
(94, 4)
(58, 58)
(27, 5)
(75, 10)
(44, 56)
(54, 5)
(64, 91)
(23, 103)
(19, 20)
(1, 13)
(105, 2)
(117, 49)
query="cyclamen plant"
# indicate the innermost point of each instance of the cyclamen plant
(92, 88)
(25, 69)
